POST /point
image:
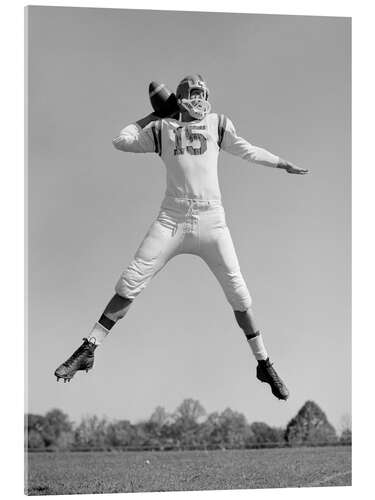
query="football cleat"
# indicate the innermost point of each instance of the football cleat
(81, 359)
(267, 373)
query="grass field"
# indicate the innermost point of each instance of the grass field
(114, 472)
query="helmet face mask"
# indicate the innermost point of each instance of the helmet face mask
(197, 106)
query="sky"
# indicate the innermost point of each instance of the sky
(285, 83)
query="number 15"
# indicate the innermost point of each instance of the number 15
(185, 141)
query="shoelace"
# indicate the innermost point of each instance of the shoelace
(274, 375)
(77, 353)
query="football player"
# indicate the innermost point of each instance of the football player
(191, 218)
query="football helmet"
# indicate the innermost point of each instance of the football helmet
(197, 106)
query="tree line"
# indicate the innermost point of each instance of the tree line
(189, 427)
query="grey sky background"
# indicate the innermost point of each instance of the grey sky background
(285, 83)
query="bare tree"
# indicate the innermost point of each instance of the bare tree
(159, 416)
(189, 411)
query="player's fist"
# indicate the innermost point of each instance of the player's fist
(163, 101)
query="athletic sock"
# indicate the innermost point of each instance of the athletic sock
(98, 334)
(106, 322)
(257, 347)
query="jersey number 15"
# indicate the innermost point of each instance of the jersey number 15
(185, 138)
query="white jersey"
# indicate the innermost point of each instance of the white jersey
(190, 152)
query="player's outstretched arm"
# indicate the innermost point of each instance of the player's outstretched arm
(237, 146)
(291, 168)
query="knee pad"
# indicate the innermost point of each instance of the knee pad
(135, 278)
(236, 292)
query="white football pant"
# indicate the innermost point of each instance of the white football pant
(188, 226)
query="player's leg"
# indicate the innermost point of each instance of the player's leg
(156, 249)
(115, 310)
(217, 250)
(220, 256)
(265, 371)
(83, 357)
(246, 322)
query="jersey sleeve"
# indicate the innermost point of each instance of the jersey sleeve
(134, 139)
(230, 142)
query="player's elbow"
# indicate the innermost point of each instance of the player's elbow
(120, 142)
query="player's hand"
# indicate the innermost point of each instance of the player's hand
(292, 169)
(163, 100)
(142, 122)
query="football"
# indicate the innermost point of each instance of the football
(163, 101)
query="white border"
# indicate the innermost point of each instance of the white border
(12, 234)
